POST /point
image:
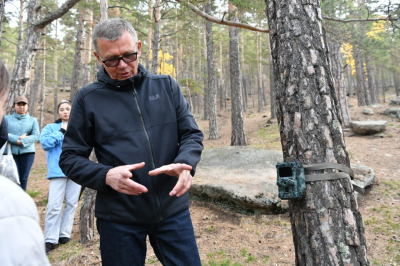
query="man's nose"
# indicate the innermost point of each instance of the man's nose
(122, 63)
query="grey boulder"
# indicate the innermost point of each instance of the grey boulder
(368, 127)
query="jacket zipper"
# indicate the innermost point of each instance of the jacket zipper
(149, 145)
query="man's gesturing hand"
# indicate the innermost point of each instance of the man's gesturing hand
(181, 171)
(118, 179)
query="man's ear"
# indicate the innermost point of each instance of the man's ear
(98, 57)
(139, 48)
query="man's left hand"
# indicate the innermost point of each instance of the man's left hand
(181, 171)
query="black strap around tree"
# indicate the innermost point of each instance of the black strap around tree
(346, 172)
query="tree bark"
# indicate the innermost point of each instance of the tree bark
(221, 79)
(77, 61)
(238, 136)
(384, 85)
(55, 99)
(361, 97)
(212, 89)
(371, 81)
(42, 87)
(259, 71)
(2, 3)
(35, 86)
(327, 226)
(24, 60)
(87, 50)
(156, 37)
(350, 81)
(338, 77)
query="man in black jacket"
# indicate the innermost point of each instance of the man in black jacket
(147, 145)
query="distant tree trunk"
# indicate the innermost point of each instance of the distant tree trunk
(87, 51)
(23, 61)
(350, 81)
(359, 76)
(384, 85)
(259, 73)
(371, 81)
(365, 83)
(35, 86)
(221, 73)
(272, 89)
(77, 61)
(55, 102)
(103, 10)
(1, 17)
(149, 34)
(20, 27)
(156, 37)
(65, 60)
(42, 90)
(212, 89)
(338, 77)
(327, 226)
(238, 136)
(205, 80)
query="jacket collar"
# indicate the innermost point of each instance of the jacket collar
(103, 76)
(17, 116)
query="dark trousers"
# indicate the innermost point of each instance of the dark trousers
(173, 242)
(24, 163)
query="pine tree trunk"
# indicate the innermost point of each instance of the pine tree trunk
(384, 85)
(212, 88)
(221, 82)
(35, 86)
(359, 77)
(55, 99)
(77, 61)
(24, 60)
(205, 80)
(260, 94)
(327, 226)
(42, 90)
(338, 77)
(238, 136)
(272, 89)
(2, 9)
(156, 37)
(371, 81)
(350, 81)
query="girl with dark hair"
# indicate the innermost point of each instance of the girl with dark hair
(58, 224)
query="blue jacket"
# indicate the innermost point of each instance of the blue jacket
(51, 139)
(18, 125)
(142, 119)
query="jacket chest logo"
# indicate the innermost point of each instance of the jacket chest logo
(155, 97)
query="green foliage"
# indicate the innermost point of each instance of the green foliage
(33, 193)
(194, 87)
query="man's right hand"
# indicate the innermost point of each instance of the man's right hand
(118, 179)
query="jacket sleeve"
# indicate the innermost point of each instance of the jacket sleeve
(49, 138)
(34, 136)
(3, 132)
(189, 134)
(77, 146)
(12, 138)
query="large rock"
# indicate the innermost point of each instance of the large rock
(395, 101)
(393, 112)
(364, 176)
(245, 178)
(368, 111)
(241, 176)
(368, 127)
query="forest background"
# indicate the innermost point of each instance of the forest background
(361, 34)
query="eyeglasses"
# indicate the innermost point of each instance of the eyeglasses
(113, 62)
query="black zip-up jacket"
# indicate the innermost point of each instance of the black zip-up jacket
(142, 119)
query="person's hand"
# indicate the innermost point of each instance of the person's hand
(118, 179)
(20, 143)
(181, 171)
(64, 126)
(22, 137)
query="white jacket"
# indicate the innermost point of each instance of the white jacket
(21, 238)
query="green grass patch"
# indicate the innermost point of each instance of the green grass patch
(270, 138)
(33, 193)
